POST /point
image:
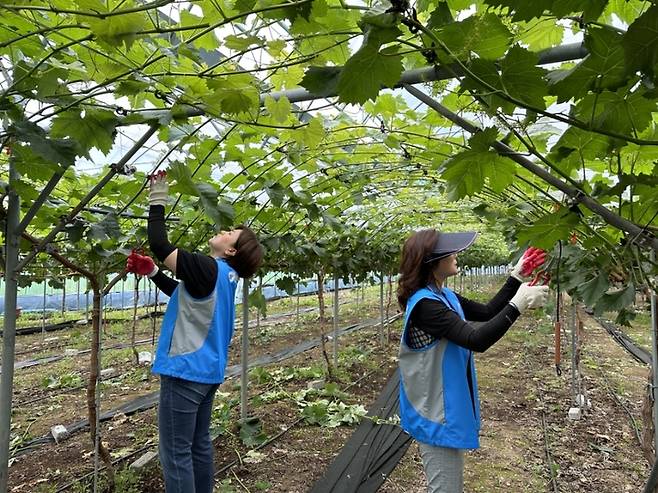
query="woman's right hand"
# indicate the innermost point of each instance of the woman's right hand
(528, 296)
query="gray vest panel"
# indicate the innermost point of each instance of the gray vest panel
(192, 322)
(416, 369)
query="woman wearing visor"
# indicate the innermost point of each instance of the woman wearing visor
(439, 404)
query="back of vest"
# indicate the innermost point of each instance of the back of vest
(438, 404)
(196, 333)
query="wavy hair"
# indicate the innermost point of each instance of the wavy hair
(414, 274)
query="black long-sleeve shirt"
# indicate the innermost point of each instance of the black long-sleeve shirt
(197, 271)
(435, 319)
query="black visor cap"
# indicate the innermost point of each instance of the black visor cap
(450, 243)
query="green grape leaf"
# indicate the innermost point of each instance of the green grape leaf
(242, 42)
(485, 35)
(641, 43)
(469, 171)
(286, 284)
(548, 229)
(521, 77)
(440, 16)
(603, 68)
(233, 94)
(523, 10)
(366, 72)
(107, 228)
(61, 151)
(312, 134)
(279, 109)
(116, 30)
(321, 81)
(591, 291)
(95, 129)
(616, 300)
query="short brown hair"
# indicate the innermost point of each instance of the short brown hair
(248, 253)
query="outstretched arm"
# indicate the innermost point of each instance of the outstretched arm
(434, 318)
(481, 312)
(157, 231)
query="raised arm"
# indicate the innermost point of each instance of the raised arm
(157, 232)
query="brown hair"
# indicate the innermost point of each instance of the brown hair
(414, 273)
(248, 255)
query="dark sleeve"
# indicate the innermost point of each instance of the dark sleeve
(479, 312)
(157, 233)
(165, 283)
(435, 318)
(197, 271)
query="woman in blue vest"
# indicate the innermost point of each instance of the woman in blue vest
(439, 403)
(196, 332)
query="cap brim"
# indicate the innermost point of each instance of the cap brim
(451, 243)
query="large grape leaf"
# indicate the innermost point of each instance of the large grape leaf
(485, 35)
(521, 78)
(95, 129)
(603, 68)
(548, 229)
(641, 43)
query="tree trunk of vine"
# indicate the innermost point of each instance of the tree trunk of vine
(647, 421)
(92, 411)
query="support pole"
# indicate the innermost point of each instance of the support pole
(654, 360)
(12, 237)
(381, 309)
(244, 361)
(574, 361)
(97, 397)
(9, 328)
(336, 321)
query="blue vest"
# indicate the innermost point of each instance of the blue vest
(196, 333)
(438, 406)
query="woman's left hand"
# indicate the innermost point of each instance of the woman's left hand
(529, 261)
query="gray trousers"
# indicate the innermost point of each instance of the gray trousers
(444, 468)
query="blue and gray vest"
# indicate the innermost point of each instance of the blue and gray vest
(439, 402)
(196, 333)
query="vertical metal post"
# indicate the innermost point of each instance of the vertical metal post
(381, 309)
(574, 361)
(297, 317)
(97, 397)
(9, 327)
(244, 362)
(654, 358)
(64, 299)
(77, 306)
(336, 320)
(43, 311)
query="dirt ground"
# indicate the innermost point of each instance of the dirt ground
(526, 434)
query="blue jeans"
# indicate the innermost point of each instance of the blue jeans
(186, 451)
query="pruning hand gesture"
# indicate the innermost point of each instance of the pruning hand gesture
(159, 188)
(532, 259)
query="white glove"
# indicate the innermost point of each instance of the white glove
(529, 297)
(159, 188)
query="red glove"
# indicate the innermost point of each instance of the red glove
(142, 265)
(531, 259)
